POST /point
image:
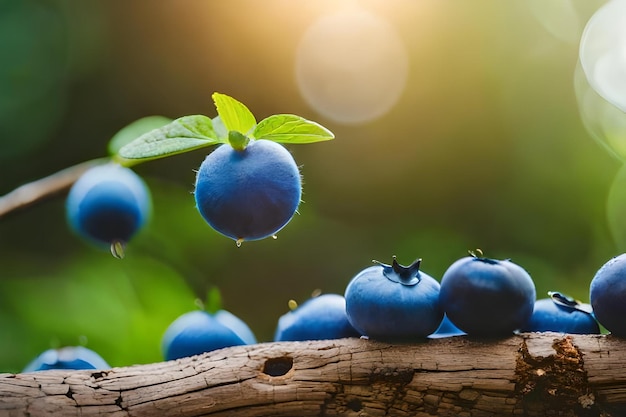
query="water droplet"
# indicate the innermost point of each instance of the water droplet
(117, 249)
(239, 242)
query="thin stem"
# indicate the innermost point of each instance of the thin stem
(238, 140)
(36, 191)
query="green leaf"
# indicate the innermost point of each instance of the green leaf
(182, 135)
(234, 115)
(134, 130)
(219, 128)
(289, 128)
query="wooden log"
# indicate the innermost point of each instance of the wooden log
(531, 374)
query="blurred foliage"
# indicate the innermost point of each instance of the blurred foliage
(484, 149)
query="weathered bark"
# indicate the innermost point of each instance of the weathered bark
(529, 374)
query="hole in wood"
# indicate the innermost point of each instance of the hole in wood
(99, 374)
(354, 404)
(277, 366)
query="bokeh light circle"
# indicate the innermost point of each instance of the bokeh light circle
(351, 66)
(604, 122)
(616, 209)
(558, 17)
(603, 52)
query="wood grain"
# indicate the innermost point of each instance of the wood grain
(532, 374)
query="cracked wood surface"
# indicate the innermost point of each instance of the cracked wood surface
(531, 374)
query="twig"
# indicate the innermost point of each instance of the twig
(34, 192)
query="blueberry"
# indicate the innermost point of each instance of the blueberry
(248, 194)
(197, 332)
(70, 357)
(560, 313)
(607, 294)
(318, 318)
(487, 297)
(393, 302)
(108, 204)
(237, 325)
(446, 329)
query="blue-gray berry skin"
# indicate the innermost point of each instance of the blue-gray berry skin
(607, 294)
(550, 315)
(248, 194)
(394, 302)
(197, 332)
(318, 318)
(108, 203)
(70, 357)
(237, 325)
(487, 297)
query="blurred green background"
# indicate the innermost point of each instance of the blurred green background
(462, 132)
